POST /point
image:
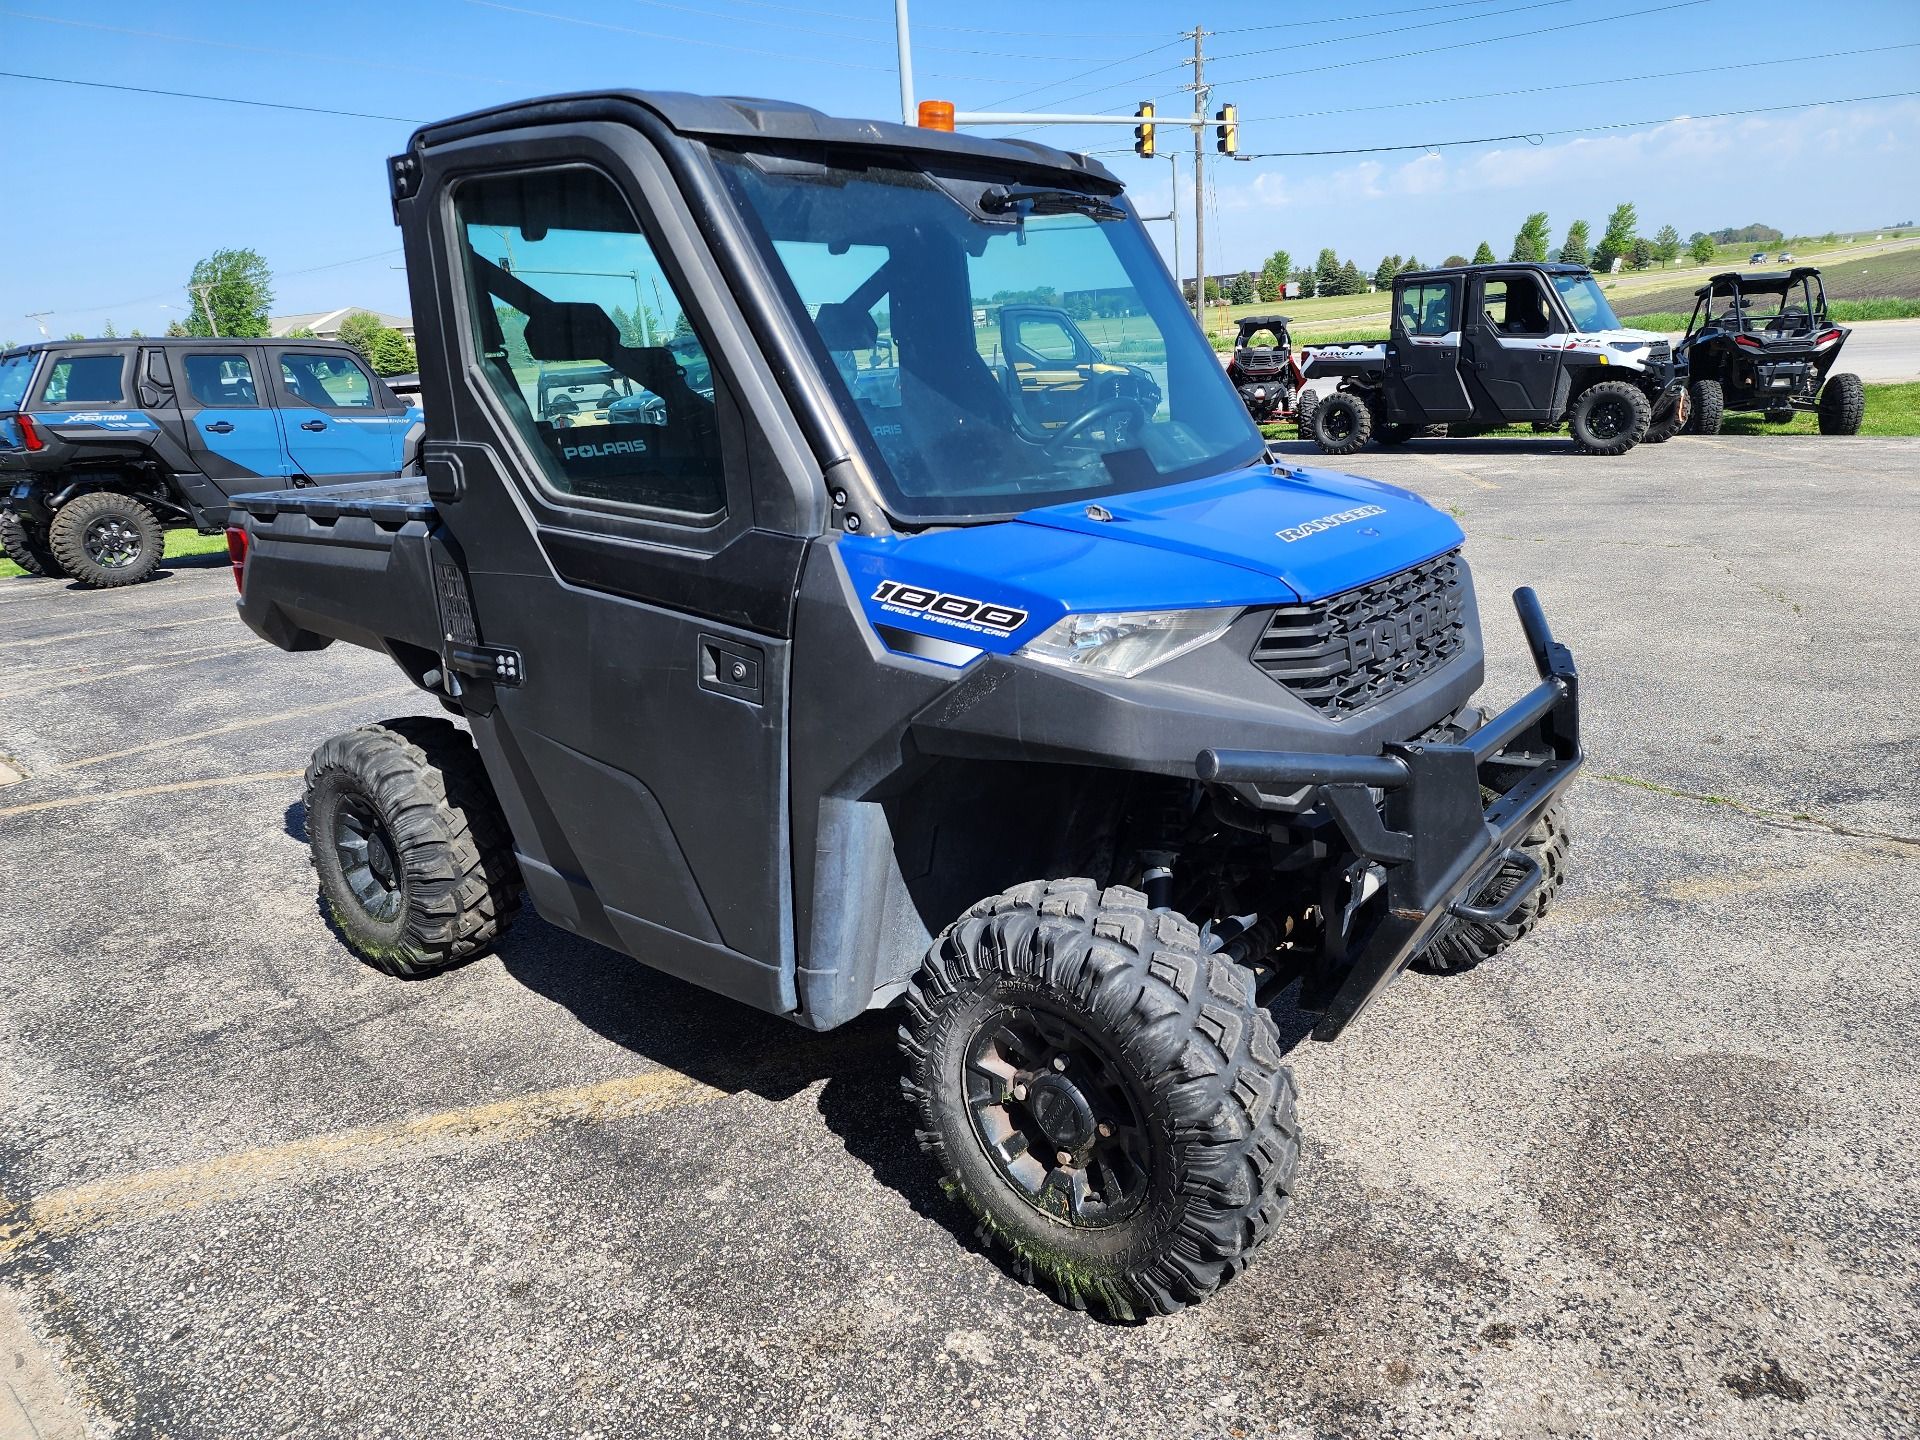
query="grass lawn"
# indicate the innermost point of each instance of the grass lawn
(1891, 410)
(179, 543)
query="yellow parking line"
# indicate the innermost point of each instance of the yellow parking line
(226, 729)
(342, 1152)
(67, 801)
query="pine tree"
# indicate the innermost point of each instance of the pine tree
(1352, 282)
(1484, 255)
(1389, 267)
(1666, 245)
(1530, 244)
(1575, 251)
(1326, 270)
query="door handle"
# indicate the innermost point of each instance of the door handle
(220, 427)
(313, 424)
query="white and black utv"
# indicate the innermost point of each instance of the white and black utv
(1478, 347)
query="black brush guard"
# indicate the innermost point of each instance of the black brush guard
(1416, 811)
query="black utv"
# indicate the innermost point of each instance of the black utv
(1478, 347)
(1263, 369)
(1763, 342)
(902, 658)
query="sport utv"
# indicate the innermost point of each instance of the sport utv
(1263, 369)
(1764, 343)
(1071, 740)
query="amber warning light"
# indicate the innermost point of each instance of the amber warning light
(936, 115)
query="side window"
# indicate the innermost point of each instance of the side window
(1047, 338)
(326, 382)
(1426, 309)
(84, 380)
(581, 335)
(220, 382)
(1516, 305)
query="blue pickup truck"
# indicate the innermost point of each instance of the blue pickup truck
(105, 444)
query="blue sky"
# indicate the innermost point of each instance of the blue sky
(112, 195)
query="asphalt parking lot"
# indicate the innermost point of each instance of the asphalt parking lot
(1656, 1172)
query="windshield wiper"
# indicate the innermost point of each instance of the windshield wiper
(1037, 200)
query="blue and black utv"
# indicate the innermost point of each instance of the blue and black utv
(836, 666)
(105, 444)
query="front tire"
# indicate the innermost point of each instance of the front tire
(27, 547)
(414, 857)
(1609, 418)
(1108, 1101)
(1465, 943)
(1661, 431)
(1341, 423)
(106, 540)
(1843, 405)
(1709, 407)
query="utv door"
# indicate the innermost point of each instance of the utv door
(628, 563)
(1426, 348)
(340, 423)
(1513, 345)
(232, 425)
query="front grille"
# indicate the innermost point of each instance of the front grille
(1342, 654)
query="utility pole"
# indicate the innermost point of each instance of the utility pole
(905, 48)
(1199, 177)
(206, 307)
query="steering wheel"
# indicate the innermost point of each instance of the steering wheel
(1080, 422)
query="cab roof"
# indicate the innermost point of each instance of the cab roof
(184, 342)
(735, 118)
(1731, 280)
(1545, 267)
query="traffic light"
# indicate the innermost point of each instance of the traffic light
(1226, 135)
(1143, 132)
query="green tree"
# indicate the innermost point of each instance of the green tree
(1307, 280)
(1326, 273)
(1641, 253)
(77, 335)
(1484, 255)
(1384, 272)
(1412, 263)
(1576, 248)
(1275, 273)
(393, 354)
(237, 286)
(109, 333)
(1530, 244)
(1352, 282)
(1622, 225)
(361, 331)
(513, 330)
(1242, 291)
(1701, 250)
(1453, 260)
(300, 332)
(177, 328)
(1666, 245)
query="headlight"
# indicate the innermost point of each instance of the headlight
(1127, 642)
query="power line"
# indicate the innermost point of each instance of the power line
(707, 14)
(1342, 19)
(1056, 84)
(248, 49)
(217, 99)
(277, 275)
(1401, 29)
(1580, 84)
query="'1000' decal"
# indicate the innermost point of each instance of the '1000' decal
(959, 611)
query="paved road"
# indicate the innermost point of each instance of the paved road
(1882, 350)
(1655, 1172)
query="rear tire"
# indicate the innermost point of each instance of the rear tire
(27, 547)
(1843, 405)
(1609, 418)
(414, 857)
(1782, 416)
(1063, 1020)
(1465, 943)
(1341, 423)
(106, 540)
(1709, 407)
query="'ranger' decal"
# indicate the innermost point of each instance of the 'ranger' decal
(1327, 522)
(956, 610)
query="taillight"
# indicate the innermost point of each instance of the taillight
(29, 435)
(237, 554)
(1747, 342)
(1828, 337)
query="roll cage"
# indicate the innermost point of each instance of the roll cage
(1792, 302)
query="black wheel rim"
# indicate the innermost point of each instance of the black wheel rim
(1337, 422)
(1609, 418)
(1057, 1117)
(367, 858)
(111, 543)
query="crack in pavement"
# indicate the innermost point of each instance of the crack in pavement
(1786, 819)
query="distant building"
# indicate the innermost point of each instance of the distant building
(325, 324)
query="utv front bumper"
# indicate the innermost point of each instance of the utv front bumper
(1415, 819)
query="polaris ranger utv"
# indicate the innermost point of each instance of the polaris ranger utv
(106, 444)
(1764, 343)
(1476, 347)
(829, 697)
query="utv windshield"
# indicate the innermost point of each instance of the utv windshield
(1002, 346)
(15, 372)
(1586, 303)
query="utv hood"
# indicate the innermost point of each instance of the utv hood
(1266, 535)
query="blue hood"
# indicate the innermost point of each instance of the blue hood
(1259, 536)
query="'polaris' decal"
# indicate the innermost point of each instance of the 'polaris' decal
(1327, 522)
(959, 611)
(603, 449)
